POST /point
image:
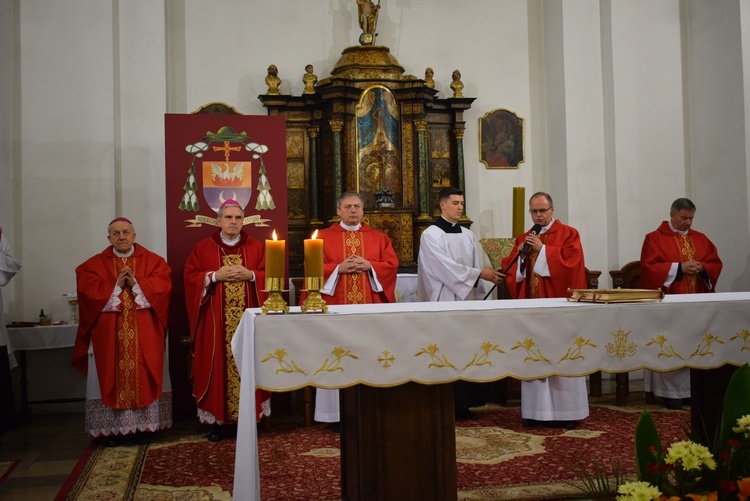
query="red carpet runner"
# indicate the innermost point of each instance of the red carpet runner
(497, 459)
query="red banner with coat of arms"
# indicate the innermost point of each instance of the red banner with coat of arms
(210, 158)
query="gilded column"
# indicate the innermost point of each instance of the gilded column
(423, 166)
(459, 132)
(338, 159)
(313, 136)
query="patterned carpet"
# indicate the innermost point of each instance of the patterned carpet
(6, 468)
(497, 459)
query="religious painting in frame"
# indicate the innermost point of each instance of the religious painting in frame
(501, 139)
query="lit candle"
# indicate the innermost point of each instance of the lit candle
(314, 256)
(519, 210)
(275, 254)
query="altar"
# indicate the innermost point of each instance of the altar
(426, 345)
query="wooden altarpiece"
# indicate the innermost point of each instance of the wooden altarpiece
(369, 127)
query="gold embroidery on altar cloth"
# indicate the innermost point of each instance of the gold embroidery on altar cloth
(744, 334)
(437, 360)
(354, 283)
(484, 359)
(284, 366)
(576, 352)
(532, 354)
(687, 251)
(704, 350)
(621, 348)
(234, 307)
(126, 375)
(335, 365)
(664, 351)
(386, 359)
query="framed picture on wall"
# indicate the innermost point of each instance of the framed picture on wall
(501, 139)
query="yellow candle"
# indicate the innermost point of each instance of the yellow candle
(314, 256)
(519, 210)
(275, 254)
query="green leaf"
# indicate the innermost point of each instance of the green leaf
(736, 404)
(646, 437)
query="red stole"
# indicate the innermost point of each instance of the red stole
(126, 375)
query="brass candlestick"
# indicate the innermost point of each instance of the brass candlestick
(274, 302)
(314, 301)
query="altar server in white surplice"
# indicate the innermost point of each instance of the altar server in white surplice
(9, 266)
(449, 270)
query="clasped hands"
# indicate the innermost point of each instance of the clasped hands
(234, 273)
(492, 275)
(692, 267)
(354, 264)
(125, 278)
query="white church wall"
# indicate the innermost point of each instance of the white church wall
(583, 131)
(139, 117)
(649, 145)
(718, 167)
(7, 199)
(66, 151)
(605, 126)
(745, 28)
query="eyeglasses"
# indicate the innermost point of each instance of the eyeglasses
(539, 211)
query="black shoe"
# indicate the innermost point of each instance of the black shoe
(140, 438)
(531, 423)
(466, 415)
(568, 425)
(112, 441)
(334, 427)
(686, 401)
(215, 435)
(674, 404)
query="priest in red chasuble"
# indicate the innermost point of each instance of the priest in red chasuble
(359, 266)
(223, 275)
(550, 263)
(678, 260)
(123, 297)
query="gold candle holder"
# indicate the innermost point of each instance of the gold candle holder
(314, 301)
(275, 302)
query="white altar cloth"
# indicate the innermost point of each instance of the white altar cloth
(391, 344)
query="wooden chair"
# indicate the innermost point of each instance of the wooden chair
(627, 277)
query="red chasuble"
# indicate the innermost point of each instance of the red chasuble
(128, 344)
(564, 258)
(373, 245)
(663, 247)
(214, 311)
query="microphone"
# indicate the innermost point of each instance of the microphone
(534, 231)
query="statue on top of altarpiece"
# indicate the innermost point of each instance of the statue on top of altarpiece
(368, 20)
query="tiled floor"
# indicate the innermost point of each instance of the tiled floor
(49, 446)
